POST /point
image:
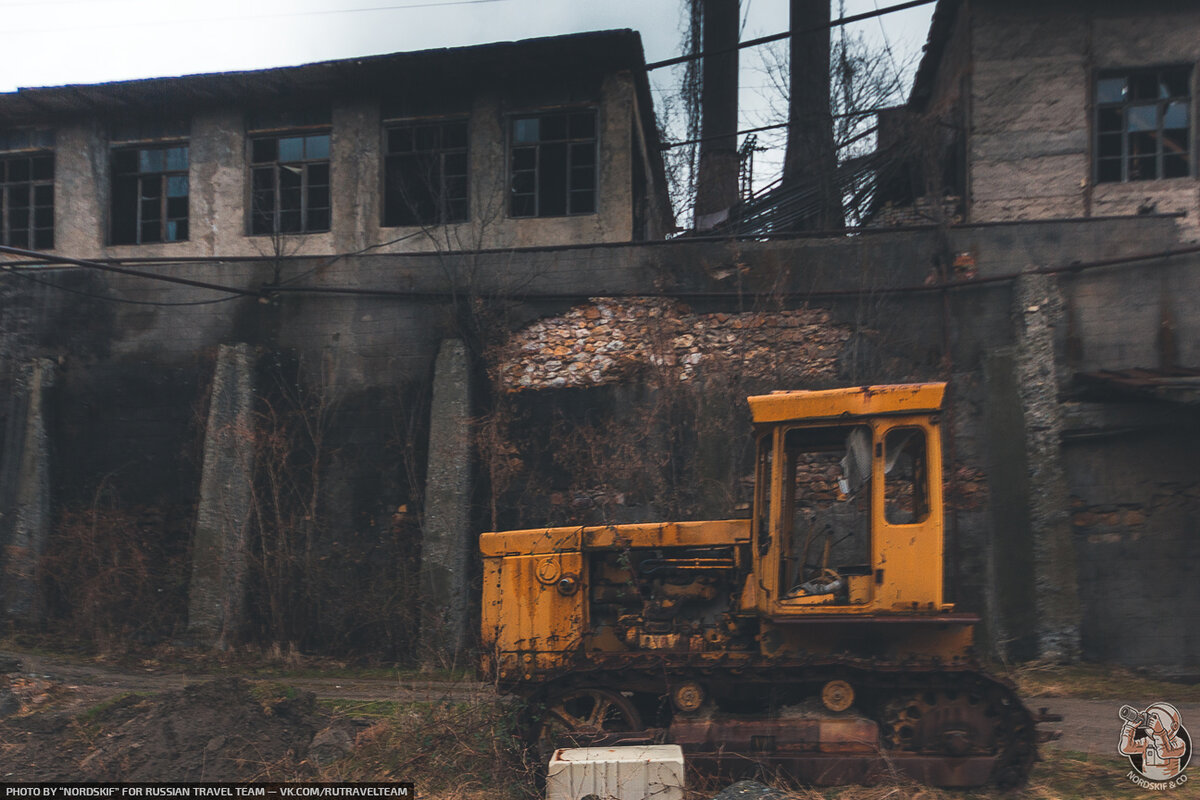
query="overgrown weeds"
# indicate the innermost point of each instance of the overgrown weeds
(115, 575)
(451, 750)
(1097, 681)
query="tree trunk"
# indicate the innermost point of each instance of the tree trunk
(717, 179)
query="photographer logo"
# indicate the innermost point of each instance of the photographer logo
(1157, 744)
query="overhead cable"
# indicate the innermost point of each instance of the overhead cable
(866, 112)
(137, 273)
(775, 37)
(24, 274)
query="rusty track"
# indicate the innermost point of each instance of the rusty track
(959, 695)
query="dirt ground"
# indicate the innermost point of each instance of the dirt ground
(208, 731)
(72, 721)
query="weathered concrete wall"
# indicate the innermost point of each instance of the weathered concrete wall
(1121, 316)
(221, 544)
(1030, 139)
(1134, 509)
(133, 374)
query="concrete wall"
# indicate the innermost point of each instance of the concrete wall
(1136, 499)
(134, 376)
(1030, 138)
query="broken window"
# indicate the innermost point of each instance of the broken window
(906, 477)
(289, 183)
(425, 173)
(150, 194)
(27, 188)
(552, 164)
(825, 524)
(1143, 124)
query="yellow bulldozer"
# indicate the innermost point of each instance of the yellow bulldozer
(811, 639)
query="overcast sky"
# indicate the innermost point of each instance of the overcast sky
(56, 42)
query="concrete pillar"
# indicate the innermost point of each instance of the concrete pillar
(1037, 309)
(1011, 593)
(25, 489)
(217, 593)
(447, 542)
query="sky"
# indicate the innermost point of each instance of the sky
(58, 42)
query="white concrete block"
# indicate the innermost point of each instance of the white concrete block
(642, 772)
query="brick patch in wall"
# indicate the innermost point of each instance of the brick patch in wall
(609, 340)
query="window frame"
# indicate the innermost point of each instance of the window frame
(1126, 157)
(141, 178)
(277, 167)
(28, 144)
(511, 145)
(917, 487)
(444, 214)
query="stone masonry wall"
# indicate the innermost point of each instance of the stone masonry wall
(612, 340)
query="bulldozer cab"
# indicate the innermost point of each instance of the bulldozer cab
(848, 503)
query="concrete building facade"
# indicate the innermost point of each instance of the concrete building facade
(1064, 109)
(541, 142)
(1027, 111)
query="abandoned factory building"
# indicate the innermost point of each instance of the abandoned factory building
(420, 296)
(541, 142)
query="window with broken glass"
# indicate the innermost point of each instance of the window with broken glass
(150, 194)
(27, 188)
(425, 173)
(552, 164)
(1143, 124)
(289, 190)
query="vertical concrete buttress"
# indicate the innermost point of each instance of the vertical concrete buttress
(447, 542)
(220, 550)
(25, 489)
(1037, 309)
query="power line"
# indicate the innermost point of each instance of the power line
(339, 256)
(921, 288)
(775, 37)
(47, 258)
(23, 273)
(849, 115)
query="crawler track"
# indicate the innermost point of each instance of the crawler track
(942, 726)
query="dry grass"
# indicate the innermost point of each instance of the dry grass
(467, 751)
(451, 751)
(1096, 682)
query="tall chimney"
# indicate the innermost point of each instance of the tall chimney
(717, 176)
(811, 160)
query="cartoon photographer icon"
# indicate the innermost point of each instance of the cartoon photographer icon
(1155, 741)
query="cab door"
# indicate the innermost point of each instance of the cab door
(907, 515)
